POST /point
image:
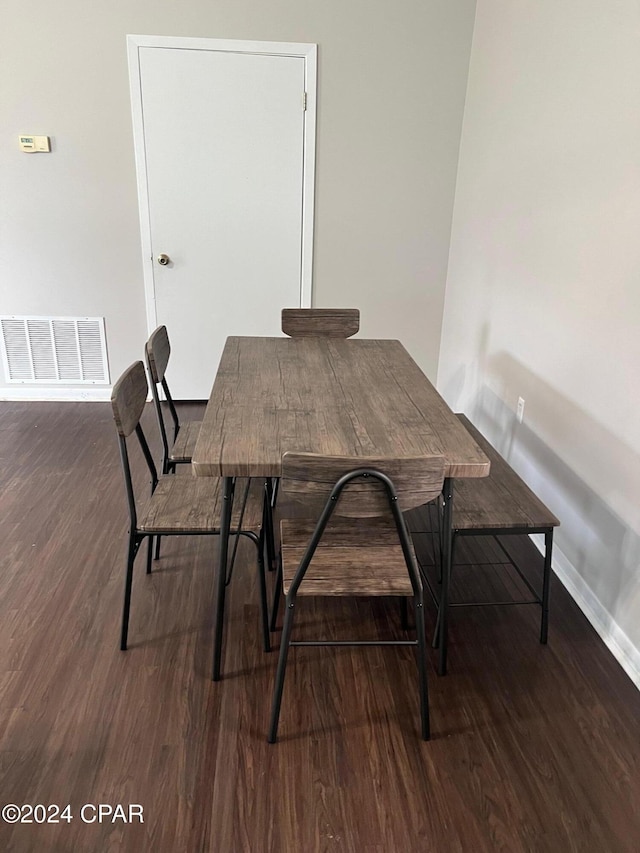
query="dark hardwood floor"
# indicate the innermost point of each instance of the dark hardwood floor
(533, 748)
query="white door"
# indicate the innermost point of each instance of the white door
(223, 176)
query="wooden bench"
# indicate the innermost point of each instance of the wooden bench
(498, 505)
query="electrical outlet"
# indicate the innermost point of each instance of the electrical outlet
(520, 410)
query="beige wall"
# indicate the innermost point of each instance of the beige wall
(392, 78)
(543, 295)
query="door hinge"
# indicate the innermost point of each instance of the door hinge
(304, 100)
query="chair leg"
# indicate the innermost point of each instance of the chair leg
(546, 584)
(422, 670)
(276, 597)
(157, 556)
(131, 555)
(282, 664)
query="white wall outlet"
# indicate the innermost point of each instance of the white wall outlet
(520, 410)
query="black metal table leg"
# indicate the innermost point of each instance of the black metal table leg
(268, 524)
(447, 516)
(546, 582)
(221, 569)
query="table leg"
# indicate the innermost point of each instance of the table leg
(268, 524)
(546, 581)
(221, 569)
(443, 613)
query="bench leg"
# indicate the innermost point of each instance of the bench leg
(436, 633)
(546, 583)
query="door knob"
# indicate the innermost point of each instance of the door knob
(163, 260)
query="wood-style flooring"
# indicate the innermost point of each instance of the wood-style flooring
(533, 748)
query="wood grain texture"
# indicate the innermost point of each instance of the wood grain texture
(158, 351)
(349, 561)
(193, 505)
(324, 322)
(309, 477)
(501, 500)
(533, 748)
(128, 398)
(327, 396)
(185, 443)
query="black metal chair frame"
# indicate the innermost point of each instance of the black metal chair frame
(168, 465)
(290, 600)
(136, 537)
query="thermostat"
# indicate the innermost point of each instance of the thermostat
(33, 144)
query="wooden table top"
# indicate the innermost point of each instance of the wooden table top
(352, 397)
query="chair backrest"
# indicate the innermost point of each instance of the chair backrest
(128, 397)
(158, 352)
(320, 322)
(310, 479)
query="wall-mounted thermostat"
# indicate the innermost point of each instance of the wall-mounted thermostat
(33, 144)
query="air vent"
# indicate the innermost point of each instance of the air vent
(54, 350)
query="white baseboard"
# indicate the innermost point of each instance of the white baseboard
(30, 392)
(615, 639)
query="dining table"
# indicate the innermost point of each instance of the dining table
(331, 396)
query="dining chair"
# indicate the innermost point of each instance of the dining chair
(178, 506)
(178, 450)
(320, 322)
(311, 323)
(359, 545)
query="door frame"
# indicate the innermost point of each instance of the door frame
(308, 52)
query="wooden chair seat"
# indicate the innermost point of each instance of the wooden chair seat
(349, 560)
(193, 505)
(184, 445)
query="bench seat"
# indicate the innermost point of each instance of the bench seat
(498, 505)
(501, 501)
